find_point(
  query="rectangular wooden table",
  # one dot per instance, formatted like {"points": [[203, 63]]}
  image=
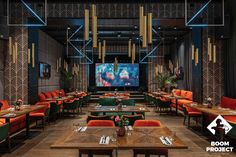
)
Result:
{"points": [[171, 97], [140, 138], [59, 99], [25, 110], [212, 111], [133, 109]]}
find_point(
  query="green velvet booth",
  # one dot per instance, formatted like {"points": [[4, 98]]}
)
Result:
{"points": [[128, 102], [107, 101]]}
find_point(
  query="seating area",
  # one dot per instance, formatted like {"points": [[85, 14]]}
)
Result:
{"points": [[123, 78]]}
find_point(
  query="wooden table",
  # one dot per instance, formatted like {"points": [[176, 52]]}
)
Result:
{"points": [[133, 109], [212, 111], [171, 97], [25, 110], [59, 99], [140, 138]]}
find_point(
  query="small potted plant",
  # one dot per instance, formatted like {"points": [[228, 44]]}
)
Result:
{"points": [[209, 102], [121, 122], [18, 103]]}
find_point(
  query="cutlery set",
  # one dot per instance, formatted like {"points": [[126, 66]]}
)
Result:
{"points": [[165, 140]]}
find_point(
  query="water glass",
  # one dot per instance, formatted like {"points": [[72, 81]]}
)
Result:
{"points": [[114, 137]]}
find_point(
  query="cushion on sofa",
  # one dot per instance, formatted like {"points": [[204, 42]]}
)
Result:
{"points": [[48, 95], [42, 97], [54, 94], [5, 104], [177, 92], [227, 102], [231, 119], [187, 94]]}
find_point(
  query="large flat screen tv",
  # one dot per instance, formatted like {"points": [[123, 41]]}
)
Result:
{"points": [[125, 75], [44, 70]]}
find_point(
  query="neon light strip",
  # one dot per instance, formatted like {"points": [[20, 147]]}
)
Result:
{"points": [[199, 12], [31, 10]]}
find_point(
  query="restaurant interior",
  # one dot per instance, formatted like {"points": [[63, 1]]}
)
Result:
{"points": [[117, 78]]}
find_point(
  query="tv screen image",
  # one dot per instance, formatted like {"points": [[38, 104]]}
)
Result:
{"points": [[126, 75], [44, 70]]}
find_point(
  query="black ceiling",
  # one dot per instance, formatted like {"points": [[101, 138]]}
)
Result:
{"points": [[115, 33]]}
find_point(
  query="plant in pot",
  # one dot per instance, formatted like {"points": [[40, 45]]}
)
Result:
{"points": [[121, 122], [165, 81], [67, 78]]}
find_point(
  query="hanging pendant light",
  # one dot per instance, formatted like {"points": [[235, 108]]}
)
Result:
{"points": [[196, 57], [141, 21], [29, 59], [94, 25], [129, 48], [99, 50], [13, 54], [94, 21], [144, 43], [86, 24], [149, 28], [33, 55], [115, 65], [16, 52], [10, 46], [214, 53], [103, 51], [193, 52], [133, 53]]}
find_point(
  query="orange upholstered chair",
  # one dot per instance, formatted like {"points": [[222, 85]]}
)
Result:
{"points": [[147, 123], [102, 123], [189, 113], [227, 102], [41, 114], [149, 151]]}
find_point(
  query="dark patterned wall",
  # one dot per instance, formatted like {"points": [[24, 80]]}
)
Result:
{"points": [[16, 75], [213, 73]]}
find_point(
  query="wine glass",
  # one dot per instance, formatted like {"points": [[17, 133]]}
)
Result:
{"points": [[76, 126], [114, 136]]}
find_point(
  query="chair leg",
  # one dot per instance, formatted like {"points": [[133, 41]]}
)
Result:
{"points": [[184, 119], [43, 122], [188, 121]]}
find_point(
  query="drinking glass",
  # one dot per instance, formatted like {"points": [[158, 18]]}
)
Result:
{"points": [[114, 137], [173, 136], [75, 126]]}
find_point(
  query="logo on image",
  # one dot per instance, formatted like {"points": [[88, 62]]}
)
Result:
{"points": [[219, 126]]}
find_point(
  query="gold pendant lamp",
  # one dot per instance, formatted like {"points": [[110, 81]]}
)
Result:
{"points": [[99, 50], [103, 51], [129, 48], [94, 25], [149, 28], [144, 44], [86, 24], [133, 53], [141, 21]]}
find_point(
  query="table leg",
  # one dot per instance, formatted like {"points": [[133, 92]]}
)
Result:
{"points": [[176, 109], [203, 122], [116, 152], [27, 118], [8, 136]]}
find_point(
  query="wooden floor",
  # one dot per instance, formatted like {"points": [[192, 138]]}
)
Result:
{"points": [[39, 144]]}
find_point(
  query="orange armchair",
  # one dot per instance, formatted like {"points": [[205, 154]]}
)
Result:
{"points": [[147, 123], [101, 123]]}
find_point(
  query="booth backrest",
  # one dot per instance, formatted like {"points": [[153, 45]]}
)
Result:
{"points": [[184, 93], [227, 102], [5, 104]]}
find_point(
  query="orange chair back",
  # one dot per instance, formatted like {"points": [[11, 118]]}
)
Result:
{"points": [[147, 123], [101, 123]]}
